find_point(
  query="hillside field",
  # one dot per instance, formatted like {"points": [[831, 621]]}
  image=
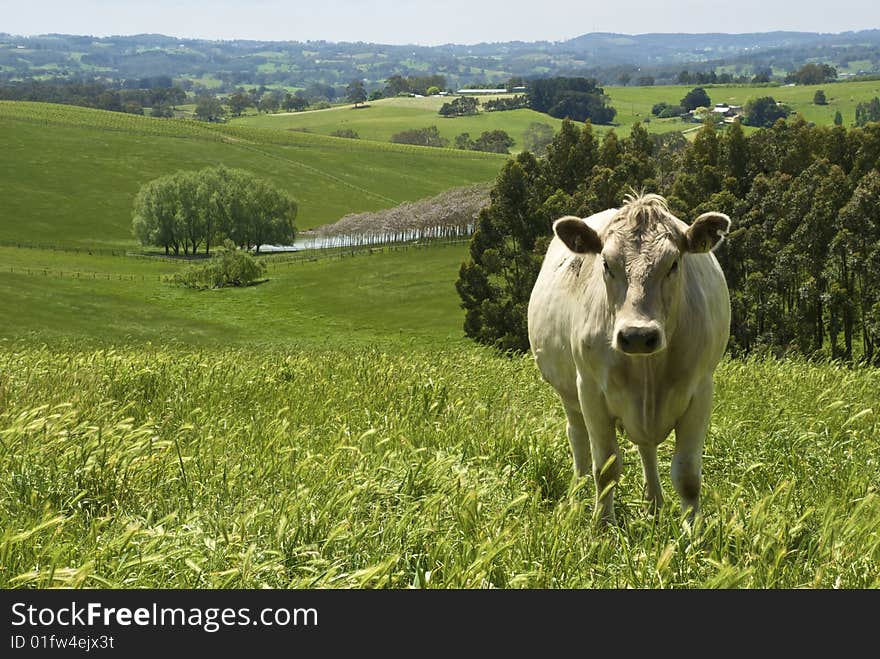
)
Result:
{"points": [[635, 103], [382, 118], [68, 175]]}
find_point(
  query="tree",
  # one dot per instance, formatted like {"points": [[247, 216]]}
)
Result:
{"points": [[536, 137], [695, 98], [493, 141], [356, 93], [208, 108], [838, 119], [238, 103], [868, 112], [429, 136], [645, 81], [624, 78], [578, 99], [764, 111], [182, 211], [460, 107], [813, 74], [819, 98]]}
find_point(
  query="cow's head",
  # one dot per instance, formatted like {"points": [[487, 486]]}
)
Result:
{"points": [[643, 257]]}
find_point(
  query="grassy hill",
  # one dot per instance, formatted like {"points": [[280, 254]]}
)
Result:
{"points": [[69, 175], [634, 103], [381, 119]]}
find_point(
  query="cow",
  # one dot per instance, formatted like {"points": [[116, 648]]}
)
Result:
{"points": [[628, 318]]}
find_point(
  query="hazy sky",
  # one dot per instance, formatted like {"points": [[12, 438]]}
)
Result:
{"points": [[428, 22]]}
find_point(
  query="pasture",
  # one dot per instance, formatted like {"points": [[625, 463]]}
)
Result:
{"points": [[68, 175], [166, 467], [635, 103], [385, 117], [381, 119], [331, 428]]}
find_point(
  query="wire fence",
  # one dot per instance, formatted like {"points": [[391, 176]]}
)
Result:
{"points": [[271, 259]]}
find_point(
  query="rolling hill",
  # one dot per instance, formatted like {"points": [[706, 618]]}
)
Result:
{"points": [[68, 175]]}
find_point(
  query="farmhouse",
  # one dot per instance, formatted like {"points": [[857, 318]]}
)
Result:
{"points": [[502, 90]]}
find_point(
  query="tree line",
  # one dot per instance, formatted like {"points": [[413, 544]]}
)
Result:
{"points": [[158, 95], [802, 260], [184, 211]]}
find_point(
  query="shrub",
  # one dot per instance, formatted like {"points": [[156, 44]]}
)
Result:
{"points": [[346, 132], [429, 136], [233, 267]]}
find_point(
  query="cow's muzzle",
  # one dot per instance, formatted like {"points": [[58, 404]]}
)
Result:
{"points": [[639, 339]]}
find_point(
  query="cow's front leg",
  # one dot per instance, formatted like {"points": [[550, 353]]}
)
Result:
{"points": [[604, 449], [578, 438], [653, 490], [687, 461]]}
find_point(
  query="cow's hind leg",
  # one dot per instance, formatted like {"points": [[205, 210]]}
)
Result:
{"points": [[579, 439], [687, 461], [653, 491]]}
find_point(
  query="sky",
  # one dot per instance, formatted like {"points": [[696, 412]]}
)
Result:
{"points": [[428, 22]]}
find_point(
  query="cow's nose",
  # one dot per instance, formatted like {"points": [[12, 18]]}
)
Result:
{"points": [[639, 340]]}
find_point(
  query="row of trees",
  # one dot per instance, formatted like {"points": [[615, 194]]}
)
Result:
{"points": [[184, 211], [802, 260], [161, 98]]}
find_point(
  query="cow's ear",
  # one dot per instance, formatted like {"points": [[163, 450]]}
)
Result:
{"points": [[577, 235], [707, 232]]}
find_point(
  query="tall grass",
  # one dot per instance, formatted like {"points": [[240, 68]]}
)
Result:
{"points": [[164, 467]]}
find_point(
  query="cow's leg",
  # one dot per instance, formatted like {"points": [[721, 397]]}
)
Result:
{"points": [[687, 461], [578, 438], [653, 491], [604, 449]]}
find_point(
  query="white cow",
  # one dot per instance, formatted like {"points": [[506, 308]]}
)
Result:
{"points": [[628, 319]]}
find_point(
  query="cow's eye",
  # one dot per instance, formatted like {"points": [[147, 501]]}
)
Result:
{"points": [[674, 267], [607, 269]]}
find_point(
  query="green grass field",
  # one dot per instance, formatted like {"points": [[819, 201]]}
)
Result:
{"points": [[173, 467], [332, 427], [385, 117], [379, 120], [635, 103], [400, 295], [68, 175]]}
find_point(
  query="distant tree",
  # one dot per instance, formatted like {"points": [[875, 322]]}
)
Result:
{"points": [[356, 92], [838, 119], [375, 95], [819, 98], [209, 108], [645, 81], [429, 136], [296, 103], [868, 112], [813, 74], [271, 102], [764, 111], [493, 141], [762, 76], [463, 141], [695, 98], [578, 99], [536, 138], [346, 132], [624, 78], [460, 107], [433, 90], [238, 103]]}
